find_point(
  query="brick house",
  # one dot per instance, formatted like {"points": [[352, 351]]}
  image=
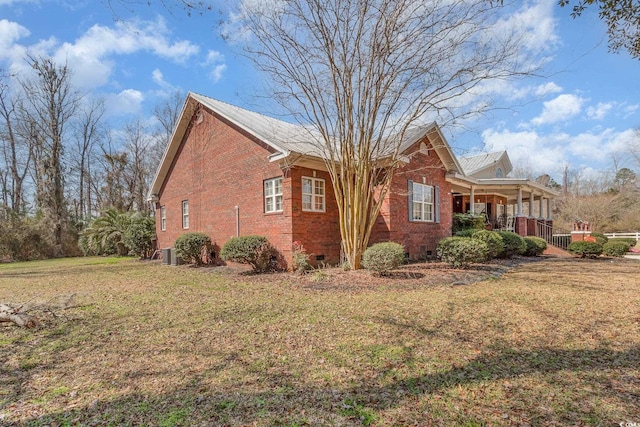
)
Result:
{"points": [[230, 172]]}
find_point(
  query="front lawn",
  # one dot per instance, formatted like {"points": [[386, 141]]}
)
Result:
{"points": [[553, 342]]}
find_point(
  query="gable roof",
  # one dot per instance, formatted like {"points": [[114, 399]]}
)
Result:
{"points": [[474, 164], [284, 138]]}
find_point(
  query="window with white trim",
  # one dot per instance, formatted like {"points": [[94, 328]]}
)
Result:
{"points": [[273, 195], [163, 218], [185, 214], [422, 198], [313, 192]]}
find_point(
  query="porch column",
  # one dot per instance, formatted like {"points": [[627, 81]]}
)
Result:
{"points": [[549, 212], [531, 200], [541, 216], [472, 200], [519, 203]]}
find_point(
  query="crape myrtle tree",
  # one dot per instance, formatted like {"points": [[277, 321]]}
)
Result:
{"points": [[361, 73]]}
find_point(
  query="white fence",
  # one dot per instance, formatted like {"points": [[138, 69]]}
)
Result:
{"points": [[633, 234]]}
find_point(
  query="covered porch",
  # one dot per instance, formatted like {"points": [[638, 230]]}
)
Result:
{"points": [[511, 204]]}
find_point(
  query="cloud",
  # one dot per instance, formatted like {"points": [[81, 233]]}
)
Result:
{"points": [[533, 25], [92, 56], [129, 101], [547, 89], [599, 111], [559, 109], [215, 59]]}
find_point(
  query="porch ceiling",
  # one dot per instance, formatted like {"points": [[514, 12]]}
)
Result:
{"points": [[505, 187]]}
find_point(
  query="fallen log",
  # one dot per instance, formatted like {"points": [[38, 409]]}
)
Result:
{"points": [[12, 314]]}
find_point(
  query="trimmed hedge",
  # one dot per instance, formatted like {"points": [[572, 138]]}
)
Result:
{"points": [[468, 232], [628, 240], [464, 221], [585, 249], [462, 251], [535, 246], [191, 247], [514, 244], [493, 240], [383, 257], [615, 248], [601, 239], [253, 250]]}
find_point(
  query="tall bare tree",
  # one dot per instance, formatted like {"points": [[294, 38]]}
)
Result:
{"points": [[363, 72], [15, 154], [48, 105], [167, 113]]}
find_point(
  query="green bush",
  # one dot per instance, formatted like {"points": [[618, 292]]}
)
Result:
{"points": [[615, 248], [137, 236], [493, 240], [192, 247], [383, 257], [585, 249], [463, 221], [601, 239], [535, 246], [253, 250], [628, 240], [300, 259], [513, 244], [461, 251], [467, 232]]}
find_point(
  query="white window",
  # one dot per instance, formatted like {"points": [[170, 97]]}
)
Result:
{"points": [[273, 195], [163, 218], [313, 194], [422, 198], [185, 214]]}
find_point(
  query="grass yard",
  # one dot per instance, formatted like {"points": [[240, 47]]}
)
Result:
{"points": [[553, 342]]}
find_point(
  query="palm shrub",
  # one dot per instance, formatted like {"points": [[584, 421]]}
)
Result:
{"points": [[585, 249], [615, 249], [535, 246], [253, 250], [191, 247], [514, 244], [105, 235], [383, 257], [494, 242], [460, 252]]}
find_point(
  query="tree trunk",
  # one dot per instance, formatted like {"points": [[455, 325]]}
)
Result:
{"points": [[10, 314]]}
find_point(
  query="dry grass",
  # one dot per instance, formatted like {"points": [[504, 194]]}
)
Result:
{"points": [[554, 342]]}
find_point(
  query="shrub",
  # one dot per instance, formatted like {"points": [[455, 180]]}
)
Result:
{"points": [[585, 249], [137, 236], [601, 239], [468, 232], [628, 240], [535, 246], [493, 240], [513, 244], [300, 259], [463, 221], [253, 250], [191, 247], [460, 251], [616, 248], [383, 257]]}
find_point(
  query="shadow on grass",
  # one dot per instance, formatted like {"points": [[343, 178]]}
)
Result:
{"points": [[287, 401]]}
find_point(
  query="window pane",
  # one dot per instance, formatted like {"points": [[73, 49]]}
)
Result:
{"points": [[268, 206], [278, 203], [278, 186], [307, 187], [306, 201], [268, 188]]}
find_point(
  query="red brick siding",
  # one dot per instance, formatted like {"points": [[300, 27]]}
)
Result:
{"points": [[319, 232], [393, 223], [217, 168]]}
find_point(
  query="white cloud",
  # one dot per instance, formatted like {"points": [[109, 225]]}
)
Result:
{"points": [[216, 59], [10, 32], [129, 101], [534, 25], [599, 111], [547, 88], [216, 74], [560, 109]]}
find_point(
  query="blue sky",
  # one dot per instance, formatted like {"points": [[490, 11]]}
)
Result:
{"points": [[583, 113]]}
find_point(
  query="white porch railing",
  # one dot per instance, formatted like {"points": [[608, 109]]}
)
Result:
{"points": [[633, 234]]}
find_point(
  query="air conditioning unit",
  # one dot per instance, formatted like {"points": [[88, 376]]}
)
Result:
{"points": [[166, 256], [175, 259]]}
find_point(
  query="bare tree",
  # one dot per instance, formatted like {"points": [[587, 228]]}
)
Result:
{"points": [[88, 133], [361, 73], [167, 113], [48, 105], [15, 154]]}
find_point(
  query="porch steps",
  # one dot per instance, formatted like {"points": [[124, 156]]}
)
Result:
{"points": [[557, 252]]}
